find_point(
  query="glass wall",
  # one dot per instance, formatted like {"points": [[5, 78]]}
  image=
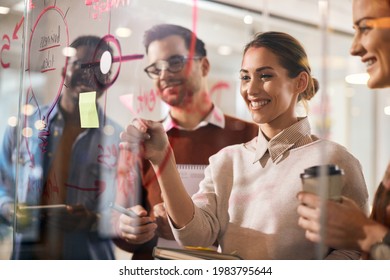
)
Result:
{"points": [[35, 58]]}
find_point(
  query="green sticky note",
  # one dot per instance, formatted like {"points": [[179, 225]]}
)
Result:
{"points": [[88, 113]]}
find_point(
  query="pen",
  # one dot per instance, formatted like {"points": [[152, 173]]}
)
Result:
{"points": [[125, 211]]}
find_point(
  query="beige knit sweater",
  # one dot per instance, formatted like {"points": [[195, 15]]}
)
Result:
{"points": [[247, 201]]}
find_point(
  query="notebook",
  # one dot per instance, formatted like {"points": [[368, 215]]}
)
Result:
{"points": [[191, 175], [162, 253]]}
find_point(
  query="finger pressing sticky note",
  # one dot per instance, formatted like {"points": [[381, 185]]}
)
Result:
{"points": [[88, 112]]}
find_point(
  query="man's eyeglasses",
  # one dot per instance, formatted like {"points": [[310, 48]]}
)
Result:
{"points": [[173, 64]]}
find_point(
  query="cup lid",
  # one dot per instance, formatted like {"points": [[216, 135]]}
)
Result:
{"points": [[315, 171]]}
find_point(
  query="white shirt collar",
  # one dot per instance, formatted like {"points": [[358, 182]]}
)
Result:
{"points": [[215, 117]]}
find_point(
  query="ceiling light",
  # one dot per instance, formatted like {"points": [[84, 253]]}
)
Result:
{"points": [[108, 130], [27, 132], [386, 110], [69, 51], [123, 32], [224, 50], [19, 7], [357, 79], [12, 121], [248, 19], [4, 10], [40, 125], [28, 109]]}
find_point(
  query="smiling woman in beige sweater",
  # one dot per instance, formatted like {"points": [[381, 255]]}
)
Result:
{"points": [[247, 201]]}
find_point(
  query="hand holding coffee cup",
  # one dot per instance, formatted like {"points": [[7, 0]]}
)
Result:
{"points": [[323, 176]]}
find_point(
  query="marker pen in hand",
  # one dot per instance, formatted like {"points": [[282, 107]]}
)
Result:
{"points": [[125, 211]]}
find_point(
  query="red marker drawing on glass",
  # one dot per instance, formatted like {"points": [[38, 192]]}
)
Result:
{"points": [[106, 60]]}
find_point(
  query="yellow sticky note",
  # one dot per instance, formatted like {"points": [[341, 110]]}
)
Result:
{"points": [[88, 113]]}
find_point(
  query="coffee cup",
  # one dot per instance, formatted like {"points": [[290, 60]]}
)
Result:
{"points": [[323, 176]]}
